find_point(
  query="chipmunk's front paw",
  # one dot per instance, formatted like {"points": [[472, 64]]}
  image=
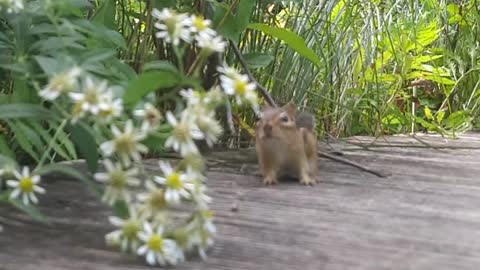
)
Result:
{"points": [[306, 180], [269, 180]]}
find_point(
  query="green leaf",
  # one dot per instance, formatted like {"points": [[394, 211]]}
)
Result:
{"points": [[24, 141], [105, 14], [428, 113], [440, 116], [257, 60], [98, 55], [232, 25], [71, 172], [294, 41], [49, 65], [20, 110], [83, 137], [31, 210], [156, 141], [5, 148], [47, 138], [148, 82], [160, 65], [121, 209]]}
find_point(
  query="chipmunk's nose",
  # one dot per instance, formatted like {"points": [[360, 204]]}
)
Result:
{"points": [[267, 129]]}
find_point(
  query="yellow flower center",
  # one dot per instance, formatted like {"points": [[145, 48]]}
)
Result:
{"points": [[118, 179], [130, 229], [181, 132], [77, 109], [240, 87], [174, 182], [61, 83], [106, 113], [157, 199], [26, 184], [200, 24], [125, 143], [91, 96], [155, 243]]}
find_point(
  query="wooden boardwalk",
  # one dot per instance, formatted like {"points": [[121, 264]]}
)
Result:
{"points": [[425, 216]]}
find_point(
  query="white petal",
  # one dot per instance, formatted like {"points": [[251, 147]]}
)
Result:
{"points": [[142, 250], [171, 119], [39, 189], [25, 198], [151, 257], [13, 183], [14, 194], [107, 148], [116, 221], [160, 180], [33, 198]]}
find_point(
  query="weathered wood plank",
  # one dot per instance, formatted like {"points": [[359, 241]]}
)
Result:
{"points": [[425, 216]]}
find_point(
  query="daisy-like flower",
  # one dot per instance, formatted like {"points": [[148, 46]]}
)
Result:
{"points": [[214, 97], [201, 27], [25, 185], [127, 234], [210, 44], [192, 97], [184, 132], [176, 186], [110, 108], [125, 144], [201, 231], [151, 117], [117, 180], [157, 248], [61, 83], [92, 98], [172, 26], [238, 85], [153, 201], [200, 197], [206, 122], [12, 6]]}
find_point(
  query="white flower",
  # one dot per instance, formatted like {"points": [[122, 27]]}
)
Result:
{"points": [[214, 97], [153, 201], [93, 96], [200, 232], [151, 117], [172, 26], [238, 85], [26, 185], [127, 234], [110, 108], [125, 144], [117, 180], [61, 83], [210, 45], [176, 186], [12, 6], [157, 248], [206, 122], [230, 72], [184, 132], [198, 193], [192, 97], [201, 27]]}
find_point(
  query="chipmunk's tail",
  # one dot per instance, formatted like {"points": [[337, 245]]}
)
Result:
{"points": [[305, 120]]}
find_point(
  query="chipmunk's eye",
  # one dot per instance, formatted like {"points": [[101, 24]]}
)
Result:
{"points": [[284, 118]]}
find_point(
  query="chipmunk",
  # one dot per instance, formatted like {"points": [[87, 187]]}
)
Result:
{"points": [[286, 144]]}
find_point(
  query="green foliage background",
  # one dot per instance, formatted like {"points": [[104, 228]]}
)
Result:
{"points": [[360, 66]]}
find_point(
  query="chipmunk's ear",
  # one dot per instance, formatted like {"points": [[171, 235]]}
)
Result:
{"points": [[290, 108]]}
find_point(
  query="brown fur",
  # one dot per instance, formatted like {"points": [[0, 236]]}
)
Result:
{"points": [[285, 147]]}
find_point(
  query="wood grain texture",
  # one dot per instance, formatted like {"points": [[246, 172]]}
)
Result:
{"points": [[425, 216]]}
